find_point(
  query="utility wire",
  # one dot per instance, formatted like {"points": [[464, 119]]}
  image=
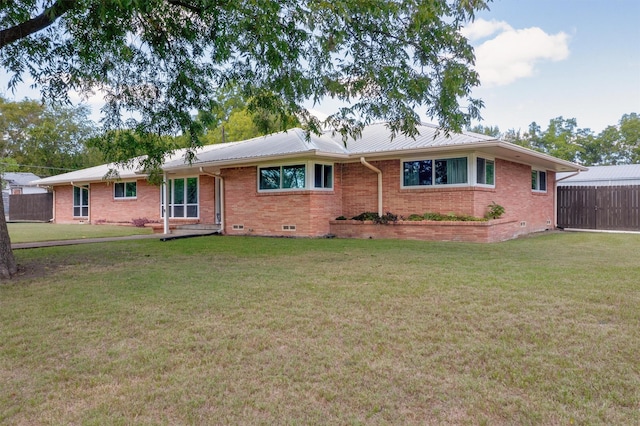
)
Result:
{"points": [[37, 167]]}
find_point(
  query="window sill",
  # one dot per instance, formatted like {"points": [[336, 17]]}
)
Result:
{"points": [[296, 192], [444, 188]]}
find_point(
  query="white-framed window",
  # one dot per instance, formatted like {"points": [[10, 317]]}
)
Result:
{"points": [[183, 198], [123, 190], [283, 177], [538, 180], [81, 201], [485, 171], [291, 177], [323, 176], [438, 171]]}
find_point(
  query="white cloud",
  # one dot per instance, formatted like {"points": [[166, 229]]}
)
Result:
{"points": [[482, 28], [513, 54]]}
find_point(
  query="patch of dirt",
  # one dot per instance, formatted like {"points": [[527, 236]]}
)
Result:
{"points": [[32, 270]]}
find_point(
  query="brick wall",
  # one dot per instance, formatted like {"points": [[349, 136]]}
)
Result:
{"points": [[512, 191], [104, 208], [266, 213], [354, 192], [474, 232]]}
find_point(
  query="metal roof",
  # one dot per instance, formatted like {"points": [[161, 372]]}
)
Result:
{"points": [[624, 174], [91, 174], [376, 141], [376, 138], [276, 145], [19, 179]]}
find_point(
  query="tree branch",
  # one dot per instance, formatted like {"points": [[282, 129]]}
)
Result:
{"points": [[40, 22], [188, 6]]}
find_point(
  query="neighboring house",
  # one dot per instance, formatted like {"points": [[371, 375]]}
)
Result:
{"points": [[604, 197], [16, 184], [286, 184], [620, 175]]}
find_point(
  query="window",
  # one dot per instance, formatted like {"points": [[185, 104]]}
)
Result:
{"points": [[485, 171], [124, 190], [183, 198], [282, 177], [538, 180], [323, 176], [449, 171], [81, 201]]}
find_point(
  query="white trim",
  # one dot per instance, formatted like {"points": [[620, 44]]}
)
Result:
{"points": [[313, 176], [186, 205], [124, 197], [73, 198], [474, 168], [546, 180], [309, 176], [433, 159]]}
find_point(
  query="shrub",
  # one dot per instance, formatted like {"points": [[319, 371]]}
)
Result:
{"points": [[341, 218], [451, 217], [415, 217], [140, 222], [386, 218], [367, 216], [495, 211]]}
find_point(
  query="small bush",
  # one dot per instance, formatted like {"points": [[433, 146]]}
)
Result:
{"points": [[451, 217], [140, 222], [341, 218], [388, 217], [367, 216], [433, 216], [495, 211], [415, 217]]}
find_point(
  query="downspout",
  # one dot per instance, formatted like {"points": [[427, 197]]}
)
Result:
{"points": [[218, 176], [555, 196], [165, 180], [88, 201], [379, 172], [53, 213]]}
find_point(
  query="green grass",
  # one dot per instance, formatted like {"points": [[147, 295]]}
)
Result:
{"points": [[231, 330], [31, 232]]}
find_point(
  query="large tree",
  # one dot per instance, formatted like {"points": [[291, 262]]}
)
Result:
{"points": [[46, 139], [163, 59]]}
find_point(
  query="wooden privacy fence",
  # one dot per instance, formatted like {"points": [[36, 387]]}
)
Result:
{"points": [[604, 207], [36, 207]]}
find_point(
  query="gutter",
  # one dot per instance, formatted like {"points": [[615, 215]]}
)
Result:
{"points": [[165, 181], [379, 172], [221, 194], [569, 176]]}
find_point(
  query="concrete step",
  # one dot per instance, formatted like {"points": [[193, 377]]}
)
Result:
{"points": [[199, 227]]}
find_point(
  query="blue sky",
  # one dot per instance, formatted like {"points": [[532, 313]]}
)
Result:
{"points": [[540, 59], [548, 58]]}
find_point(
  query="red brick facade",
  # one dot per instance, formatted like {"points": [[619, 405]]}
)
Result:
{"points": [[355, 191], [311, 213], [267, 213], [105, 208]]}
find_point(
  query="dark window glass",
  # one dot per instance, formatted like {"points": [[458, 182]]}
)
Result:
{"points": [[293, 176], [270, 178]]}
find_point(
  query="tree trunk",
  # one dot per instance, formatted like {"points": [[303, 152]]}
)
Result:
{"points": [[8, 265]]}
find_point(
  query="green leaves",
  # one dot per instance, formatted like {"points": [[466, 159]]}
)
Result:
{"points": [[157, 62]]}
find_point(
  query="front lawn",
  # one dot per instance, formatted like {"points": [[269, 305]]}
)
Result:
{"points": [[31, 232], [233, 330]]}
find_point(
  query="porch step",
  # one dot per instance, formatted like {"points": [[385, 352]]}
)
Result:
{"points": [[199, 227]]}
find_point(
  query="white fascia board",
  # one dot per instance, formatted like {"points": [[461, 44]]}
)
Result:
{"points": [[526, 156], [252, 161]]}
